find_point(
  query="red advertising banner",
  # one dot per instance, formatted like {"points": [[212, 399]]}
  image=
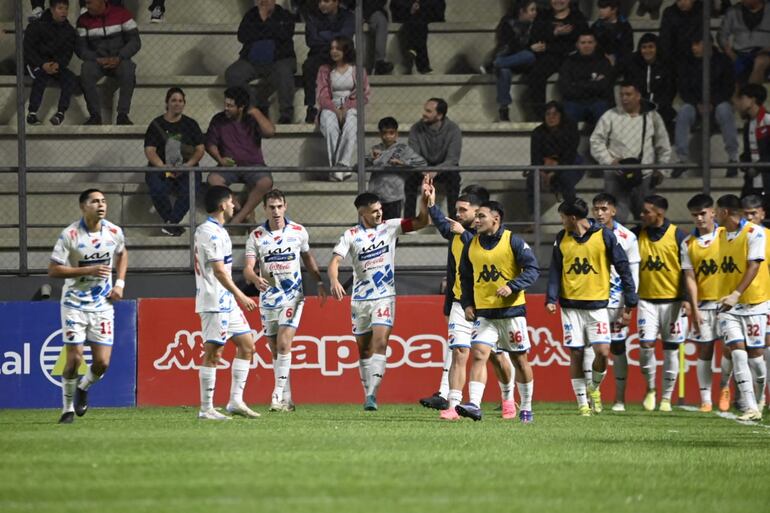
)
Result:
{"points": [[325, 359]]}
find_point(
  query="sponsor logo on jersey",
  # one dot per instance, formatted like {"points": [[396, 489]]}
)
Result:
{"points": [[581, 267]]}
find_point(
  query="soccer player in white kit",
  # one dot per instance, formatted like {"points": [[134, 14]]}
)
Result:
{"points": [[85, 254], [604, 207], [221, 318], [278, 245], [372, 248]]}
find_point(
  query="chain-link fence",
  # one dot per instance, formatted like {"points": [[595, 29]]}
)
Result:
{"points": [[496, 63]]}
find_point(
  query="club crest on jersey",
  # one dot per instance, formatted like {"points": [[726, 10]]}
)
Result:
{"points": [[96, 243]]}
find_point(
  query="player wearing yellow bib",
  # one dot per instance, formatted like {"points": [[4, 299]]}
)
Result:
{"points": [[579, 279], [700, 263], [495, 270], [754, 212], [743, 311], [660, 298]]}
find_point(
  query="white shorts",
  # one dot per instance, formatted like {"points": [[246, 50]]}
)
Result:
{"points": [[217, 327], [662, 319], [274, 318], [374, 312], [743, 328], [618, 332], [709, 327], [459, 329], [80, 327], [583, 327], [509, 334]]}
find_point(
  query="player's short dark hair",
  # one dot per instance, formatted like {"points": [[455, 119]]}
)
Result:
{"points": [[388, 123], [239, 95], [441, 105], [614, 4], [494, 206], [86, 194], [273, 194], [54, 3], [752, 201], [215, 196], [657, 201], [729, 202], [365, 199], [175, 90], [472, 199], [605, 197], [575, 207], [699, 202], [630, 83], [477, 190], [754, 91], [587, 31]]}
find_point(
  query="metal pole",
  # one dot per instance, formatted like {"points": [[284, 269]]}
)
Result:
{"points": [[360, 100], [706, 98], [21, 140]]}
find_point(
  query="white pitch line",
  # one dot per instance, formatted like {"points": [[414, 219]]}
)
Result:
{"points": [[729, 416]]}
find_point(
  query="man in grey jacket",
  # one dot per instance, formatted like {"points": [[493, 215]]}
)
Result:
{"points": [[440, 142], [744, 35]]}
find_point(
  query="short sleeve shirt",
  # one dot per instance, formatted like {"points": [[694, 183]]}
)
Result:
{"points": [[212, 244], [628, 241]]}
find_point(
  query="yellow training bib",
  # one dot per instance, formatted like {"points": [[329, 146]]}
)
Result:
{"points": [[734, 258], [493, 268], [705, 265], [585, 273], [457, 253], [660, 273]]}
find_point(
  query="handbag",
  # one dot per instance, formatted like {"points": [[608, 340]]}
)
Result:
{"points": [[630, 178]]}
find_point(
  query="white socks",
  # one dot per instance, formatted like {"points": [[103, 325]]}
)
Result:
{"points": [[758, 373], [208, 380], [506, 389], [621, 373], [649, 365], [443, 388], [727, 371], [376, 373], [281, 369], [670, 370], [89, 379], [579, 387], [68, 387], [525, 392], [597, 378], [476, 392], [742, 376], [363, 370], [287, 390], [705, 377], [588, 364], [455, 398], [240, 372]]}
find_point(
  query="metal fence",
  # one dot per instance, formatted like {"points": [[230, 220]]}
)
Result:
{"points": [[197, 41]]}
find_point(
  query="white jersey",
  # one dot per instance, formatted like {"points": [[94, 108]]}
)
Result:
{"points": [[77, 247], [279, 254], [373, 251], [212, 244], [684, 257], [627, 240], [756, 252]]}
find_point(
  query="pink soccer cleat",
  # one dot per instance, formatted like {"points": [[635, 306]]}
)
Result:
{"points": [[449, 414], [509, 409]]}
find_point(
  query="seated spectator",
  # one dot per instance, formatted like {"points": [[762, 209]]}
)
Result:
{"points": [[172, 140], [392, 161], [625, 135], [336, 86], [614, 34], [376, 17], [415, 16], [554, 143], [680, 23], [107, 39], [745, 38], [48, 48], [439, 141], [513, 53], [554, 32], [323, 25], [654, 76], [267, 34], [157, 9], [234, 138], [722, 86], [756, 137], [585, 81]]}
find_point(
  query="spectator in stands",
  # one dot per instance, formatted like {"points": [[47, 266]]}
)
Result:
{"points": [[614, 34], [416, 15], [555, 32], [585, 81], [652, 73], [267, 34], [756, 136], [440, 142], [392, 161], [649, 6], [745, 38], [329, 21], [554, 143], [376, 16], [681, 21], [107, 39], [722, 85], [172, 140], [234, 138], [336, 87], [513, 53], [157, 9], [48, 48], [630, 134]]}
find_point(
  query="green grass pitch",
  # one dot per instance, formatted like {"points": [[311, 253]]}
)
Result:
{"points": [[399, 459]]}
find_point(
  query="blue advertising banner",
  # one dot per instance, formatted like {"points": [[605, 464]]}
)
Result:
{"points": [[32, 360]]}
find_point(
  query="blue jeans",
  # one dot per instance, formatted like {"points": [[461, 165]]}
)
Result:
{"points": [[724, 117], [161, 190], [505, 65], [586, 110]]}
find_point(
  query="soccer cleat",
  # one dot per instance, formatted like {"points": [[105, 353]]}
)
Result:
{"points": [[68, 417], [212, 414], [665, 405], [751, 415], [705, 408], [435, 402], [80, 401], [761, 405], [526, 416], [289, 405], [509, 409], [469, 410], [584, 411], [276, 407], [370, 404], [449, 414], [241, 410], [618, 407], [649, 400], [595, 399], [724, 399]]}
